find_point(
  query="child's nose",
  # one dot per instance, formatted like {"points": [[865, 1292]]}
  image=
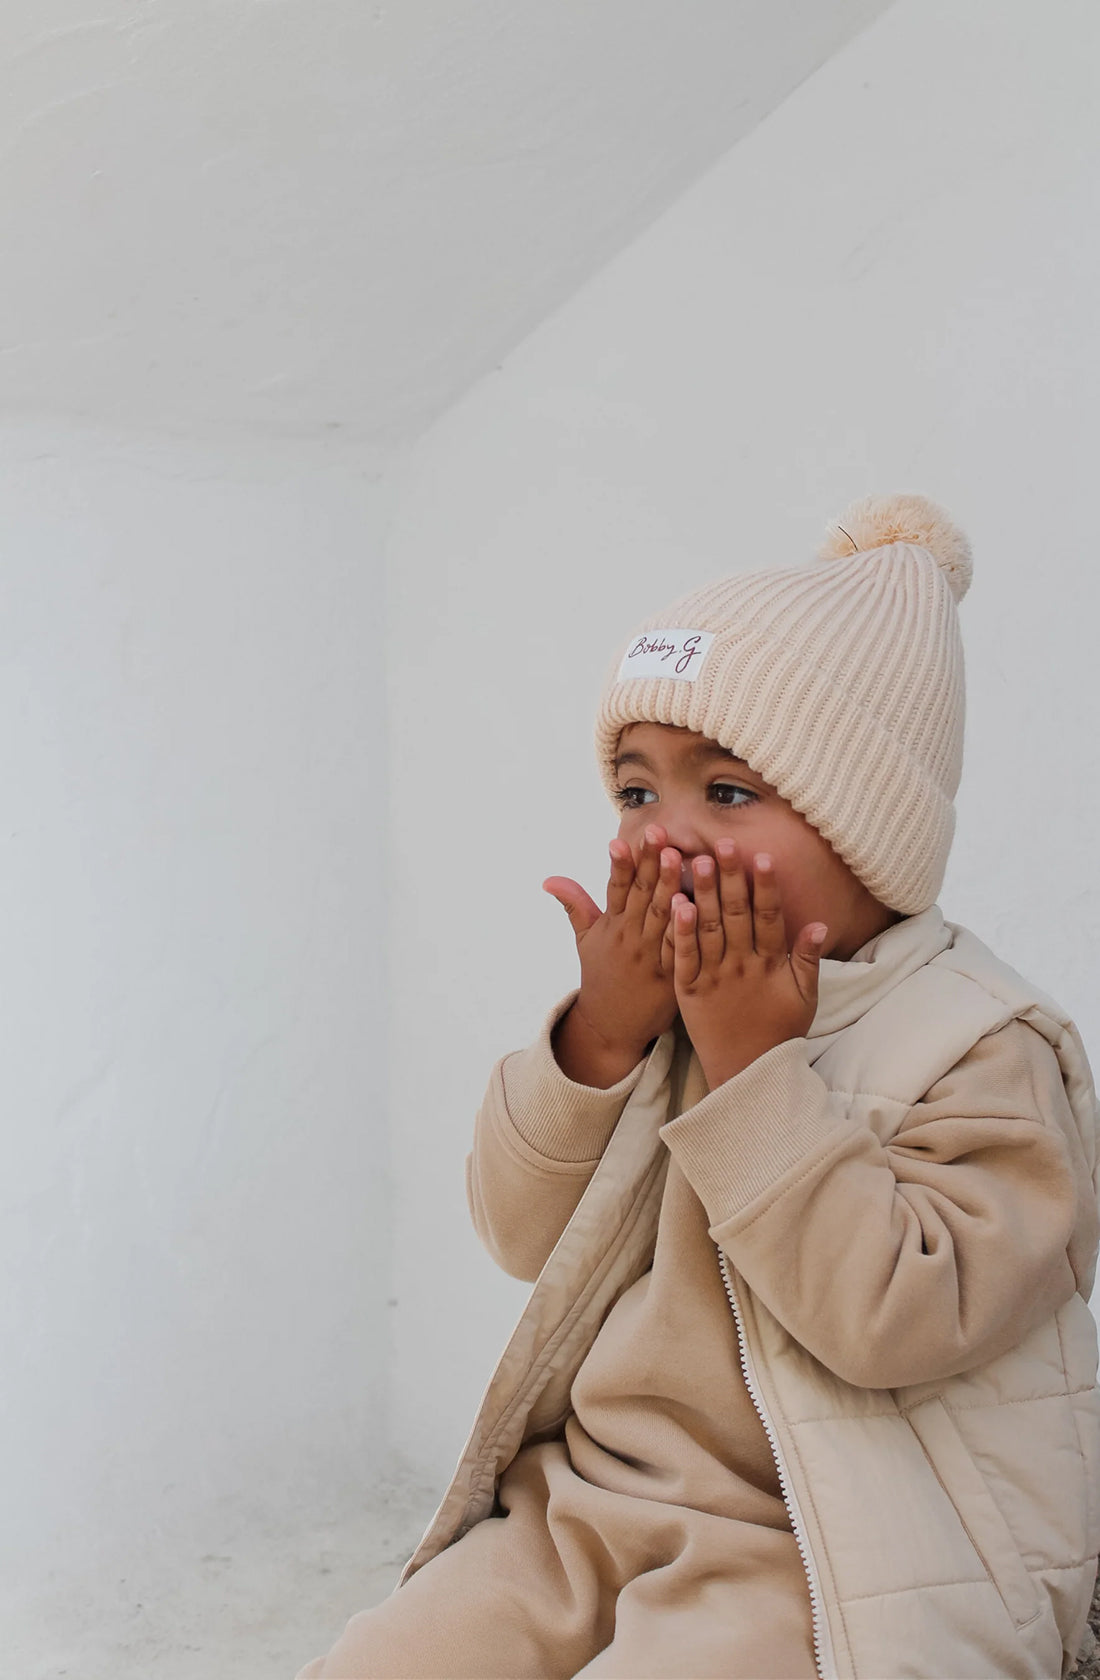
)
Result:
{"points": [[688, 840]]}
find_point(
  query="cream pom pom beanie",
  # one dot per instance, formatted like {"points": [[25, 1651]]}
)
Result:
{"points": [[839, 682]]}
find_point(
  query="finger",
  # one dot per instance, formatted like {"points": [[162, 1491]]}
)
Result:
{"points": [[709, 931], [668, 952], [685, 946], [646, 873], [656, 923], [806, 959], [581, 909], [668, 941], [621, 877], [769, 934], [733, 894]]}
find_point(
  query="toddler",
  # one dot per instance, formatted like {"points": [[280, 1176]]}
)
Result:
{"points": [[807, 1179]]}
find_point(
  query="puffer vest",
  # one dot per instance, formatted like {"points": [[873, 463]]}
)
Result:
{"points": [[949, 1529]]}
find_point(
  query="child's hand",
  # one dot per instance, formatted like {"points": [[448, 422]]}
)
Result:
{"points": [[626, 993], [738, 990]]}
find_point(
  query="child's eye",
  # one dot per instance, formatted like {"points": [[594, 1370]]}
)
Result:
{"points": [[744, 795], [631, 798]]}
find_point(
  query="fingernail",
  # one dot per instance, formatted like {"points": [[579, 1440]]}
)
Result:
{"points": [[703, 865], [651, 835], [818, 932], [763, 860], [726, 848]]}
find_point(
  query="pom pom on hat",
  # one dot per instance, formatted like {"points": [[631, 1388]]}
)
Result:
{"points": [[877, 521]]}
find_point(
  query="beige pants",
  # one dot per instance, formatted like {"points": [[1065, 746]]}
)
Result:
{"points": [[574, 1580]]}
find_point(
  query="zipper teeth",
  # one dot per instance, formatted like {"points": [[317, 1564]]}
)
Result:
{"points": [[817, 1613]]}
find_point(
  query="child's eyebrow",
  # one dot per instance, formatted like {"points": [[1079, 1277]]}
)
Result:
{"points": [[698, 754]]}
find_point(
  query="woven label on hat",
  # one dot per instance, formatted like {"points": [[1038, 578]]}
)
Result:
{"points": [[666, 653]]}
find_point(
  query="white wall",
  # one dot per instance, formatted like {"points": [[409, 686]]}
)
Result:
{"points": [[890, 284], [312, 218], [193, 1237]]}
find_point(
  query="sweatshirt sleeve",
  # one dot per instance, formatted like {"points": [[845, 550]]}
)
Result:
{"points": [[908, 1261], [538, 1138]]}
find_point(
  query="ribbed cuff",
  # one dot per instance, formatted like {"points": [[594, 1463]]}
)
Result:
{"points": [[748, 1133], [552, 1113]]}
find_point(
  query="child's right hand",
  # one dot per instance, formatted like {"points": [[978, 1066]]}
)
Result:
{"points": [[627, 996]]}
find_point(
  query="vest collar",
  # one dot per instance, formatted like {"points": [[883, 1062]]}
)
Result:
{"points": [[846, 990]]}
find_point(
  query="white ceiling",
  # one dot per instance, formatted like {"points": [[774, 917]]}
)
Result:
{"points": [[297, 216]]}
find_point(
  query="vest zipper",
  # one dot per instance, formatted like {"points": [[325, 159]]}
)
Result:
{"points": [[817, 1608]]}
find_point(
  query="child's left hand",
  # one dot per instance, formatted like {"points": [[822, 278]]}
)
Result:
{"points": [[739, 991]]}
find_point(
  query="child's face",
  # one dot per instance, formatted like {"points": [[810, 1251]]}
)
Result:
{"points": [[694, 789]]}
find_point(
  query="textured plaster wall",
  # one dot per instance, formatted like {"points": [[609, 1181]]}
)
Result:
{"points": [[294, 219], [890, 284], [252, 247], [273, 841], [192, 1230]]}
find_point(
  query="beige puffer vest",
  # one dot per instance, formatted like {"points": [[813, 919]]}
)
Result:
{"points": [[949, 1530]]}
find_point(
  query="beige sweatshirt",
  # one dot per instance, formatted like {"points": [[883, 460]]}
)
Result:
{"points": [[892, 1264]]}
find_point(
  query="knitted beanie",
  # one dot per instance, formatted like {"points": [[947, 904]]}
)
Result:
{"points": [[839, 682]]}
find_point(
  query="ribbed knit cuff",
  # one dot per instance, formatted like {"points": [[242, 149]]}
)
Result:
{"points": [[748, 1133], [552, 1113]]}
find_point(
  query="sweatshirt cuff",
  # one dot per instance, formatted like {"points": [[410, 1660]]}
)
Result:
{"points": [[747, 1134], [554, 1115]]}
